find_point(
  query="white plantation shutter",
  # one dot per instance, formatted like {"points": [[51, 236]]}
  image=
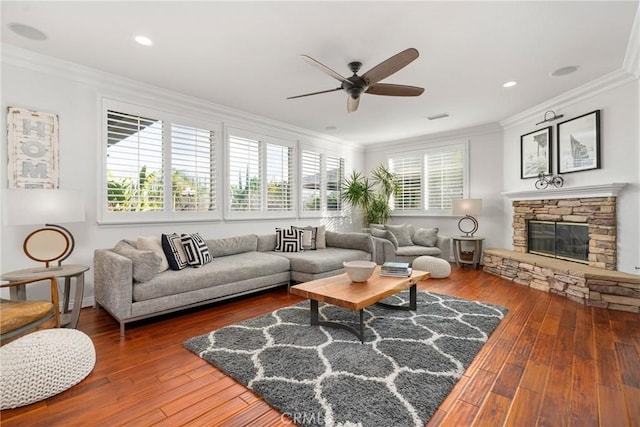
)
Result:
{"points": [[244, 173], [157, 166], [279, 166], [260, 175], [134, 163], [193, 164], [409, 173], [430, 179], [444, 170], [335, 177], [311, 182]]}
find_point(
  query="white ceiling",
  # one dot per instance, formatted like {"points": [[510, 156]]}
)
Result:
{"points": [[246, 55]]}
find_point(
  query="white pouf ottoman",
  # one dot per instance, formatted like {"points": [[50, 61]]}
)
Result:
{"points": [[42, 364], [438, 267]]}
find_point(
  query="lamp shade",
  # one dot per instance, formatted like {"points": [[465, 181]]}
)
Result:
{"points": [[467, 207], [39, 206]]}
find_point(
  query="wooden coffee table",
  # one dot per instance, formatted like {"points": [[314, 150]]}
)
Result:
{"points": [[339, 290]]}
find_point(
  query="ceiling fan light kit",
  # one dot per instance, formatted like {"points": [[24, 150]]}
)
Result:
{"points": [[356, 85]]}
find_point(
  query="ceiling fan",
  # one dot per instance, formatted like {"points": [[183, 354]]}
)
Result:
{"points": [[368, 82]]}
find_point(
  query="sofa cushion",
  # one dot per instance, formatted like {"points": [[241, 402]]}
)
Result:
{"points": [[288, 240], [173, 249], [425, 237], [418, 250], [359, 241], [153, 243], [402, 234], [323, 260], [221, 271], [232, 245], [146, 264], [196, 250]]}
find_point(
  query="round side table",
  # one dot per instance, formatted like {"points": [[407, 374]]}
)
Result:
{"points": [[477, 250], [68, 318]]}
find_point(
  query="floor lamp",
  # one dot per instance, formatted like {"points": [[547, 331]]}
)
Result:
{"points": [[52, 242]]}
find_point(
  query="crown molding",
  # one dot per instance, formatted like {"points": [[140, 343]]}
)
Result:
{"points": [[112, 85], [588, 90], [464, 133], [602, 190], [631, 61]]}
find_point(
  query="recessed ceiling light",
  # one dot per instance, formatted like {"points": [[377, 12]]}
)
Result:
{"points": [[564, 71], [143, 40], [27, 31], [511, 83]]}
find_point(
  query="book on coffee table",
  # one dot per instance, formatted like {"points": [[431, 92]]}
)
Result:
{"points": [[396, 269]]}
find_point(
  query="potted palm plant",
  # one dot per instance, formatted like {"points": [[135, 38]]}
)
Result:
{"points": [[372, 196]]}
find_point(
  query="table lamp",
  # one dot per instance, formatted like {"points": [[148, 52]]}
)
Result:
{"points": [[48, 207], [467, 207]]}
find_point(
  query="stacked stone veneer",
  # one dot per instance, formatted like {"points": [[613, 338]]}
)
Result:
{"points": [[598, 212], [578, 282]]}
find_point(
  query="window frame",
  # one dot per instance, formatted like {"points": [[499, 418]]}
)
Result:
{"points": [[168, 118], [439, 147], [264, 139], [323, 212]]}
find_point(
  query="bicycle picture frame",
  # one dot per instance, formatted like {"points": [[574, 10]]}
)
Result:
{"points": [[535, 153], [579, 143]]}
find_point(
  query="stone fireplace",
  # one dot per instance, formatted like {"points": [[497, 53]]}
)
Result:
{"points": [[597, 284], [598, 213]]}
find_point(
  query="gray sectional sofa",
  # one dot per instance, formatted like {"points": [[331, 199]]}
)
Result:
{"points": [[241, 265]]}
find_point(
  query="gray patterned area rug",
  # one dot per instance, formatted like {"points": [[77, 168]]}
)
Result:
{"points": [[315, 375]]}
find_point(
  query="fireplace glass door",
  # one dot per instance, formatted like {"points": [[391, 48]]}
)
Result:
{"points": [[564, 240]]}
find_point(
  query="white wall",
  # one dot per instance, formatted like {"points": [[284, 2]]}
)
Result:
{"points": [[485, 179], [72, 92], [616, 96]]}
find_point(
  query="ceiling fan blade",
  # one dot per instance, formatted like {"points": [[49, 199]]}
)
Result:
{"points": [[315, 93], [352, 104], [394, 90], [390, 66], [324, 68]]}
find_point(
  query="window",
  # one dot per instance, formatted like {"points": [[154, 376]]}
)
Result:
{"points": [[430, 179], [156, 165], [311, 182], [322, 178], [335, 176], [260, 171]]}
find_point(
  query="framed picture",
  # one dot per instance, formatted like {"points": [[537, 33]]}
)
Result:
{"points": [[535, 153], [579, 143], [33, 149]]}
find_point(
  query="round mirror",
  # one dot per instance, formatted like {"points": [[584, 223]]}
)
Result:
{"points": [[46, 245], [468, 225]]}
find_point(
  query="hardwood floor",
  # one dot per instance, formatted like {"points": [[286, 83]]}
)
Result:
{"points": [[550, 362]]}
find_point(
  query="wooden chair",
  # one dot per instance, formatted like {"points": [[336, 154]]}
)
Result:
{"points": [[20, 317]]}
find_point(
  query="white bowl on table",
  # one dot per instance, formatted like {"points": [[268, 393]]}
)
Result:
{"points": [[359, 271]]}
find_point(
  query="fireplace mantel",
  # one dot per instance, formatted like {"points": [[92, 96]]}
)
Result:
{"points": [[601, 190]]}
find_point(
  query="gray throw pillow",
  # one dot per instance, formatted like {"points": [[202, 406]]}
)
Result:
{"points": [[146, 264], [426, 237], [402, 233], [377, 226], [384, 234], [153, 243]]}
